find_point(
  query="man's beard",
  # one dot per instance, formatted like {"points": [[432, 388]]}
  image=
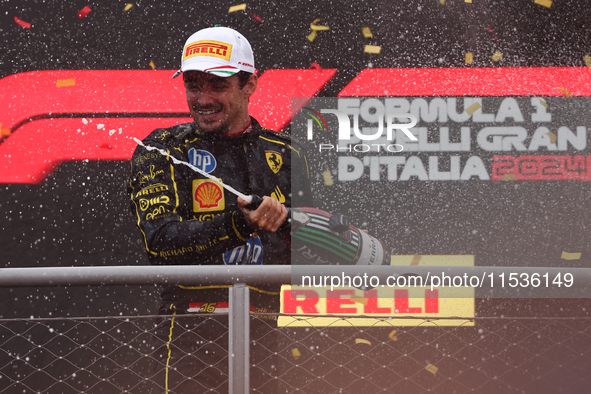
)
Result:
{"points": [[222, 128]]}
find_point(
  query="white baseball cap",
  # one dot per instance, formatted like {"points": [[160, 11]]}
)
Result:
{"points": [[217, 50]]}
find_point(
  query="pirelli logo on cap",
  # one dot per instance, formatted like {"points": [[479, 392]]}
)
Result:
{"points": [[208, 48]]}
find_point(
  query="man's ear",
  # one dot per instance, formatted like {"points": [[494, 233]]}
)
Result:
{"points": [[251, 85]]}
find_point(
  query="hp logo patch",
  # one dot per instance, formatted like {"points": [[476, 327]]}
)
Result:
{"points": [[202, 159]]}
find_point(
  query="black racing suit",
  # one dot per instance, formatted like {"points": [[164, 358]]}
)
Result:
{"points": [[187, 219]]}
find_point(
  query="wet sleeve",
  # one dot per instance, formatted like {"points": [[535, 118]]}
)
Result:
{"points": [[169, 237]]}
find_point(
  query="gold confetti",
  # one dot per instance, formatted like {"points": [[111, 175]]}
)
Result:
{"points": [[544, 103], [366, 32], [359, 300], [127, 7], [468, 1], [570, 256], [327, 178], [359, 340], [545, 3], [552, 137], [319, 28], [316, 27], [473, 108], [498, 55], [295, 353], [152, 65], [442, 2], [372, 49], [508, 177], [415, 259], [566, 92], [587, 60], [432, 368], [4, 132], [239, 7], [393, 336], [65, 82], [469, 56]]}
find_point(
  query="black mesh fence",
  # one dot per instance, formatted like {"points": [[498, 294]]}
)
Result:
{"points": [[188, 354], [494, 355], [114, 355]]}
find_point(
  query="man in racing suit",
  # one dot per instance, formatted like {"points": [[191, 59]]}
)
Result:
{"points": [[186, 218]]}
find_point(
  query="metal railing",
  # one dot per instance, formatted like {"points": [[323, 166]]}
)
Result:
{"points": [[499, 353], [238, 323]]}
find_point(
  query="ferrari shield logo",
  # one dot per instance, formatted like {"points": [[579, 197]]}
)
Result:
{"points": [[274, 160]]}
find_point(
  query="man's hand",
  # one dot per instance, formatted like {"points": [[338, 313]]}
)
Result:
{"points": [[268, 216]]}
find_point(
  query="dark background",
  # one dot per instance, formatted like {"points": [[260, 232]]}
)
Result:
{"points": [[79, 215]]}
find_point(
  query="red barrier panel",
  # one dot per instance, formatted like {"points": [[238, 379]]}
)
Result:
{"points": [[38, 102], [523, 81], [37, 94], [38, 147]]}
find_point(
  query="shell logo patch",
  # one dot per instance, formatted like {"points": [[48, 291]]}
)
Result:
{"points": [[274, 160], [207, 196]]}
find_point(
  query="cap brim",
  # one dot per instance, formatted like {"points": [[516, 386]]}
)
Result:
{"points": [[211, 68]]}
